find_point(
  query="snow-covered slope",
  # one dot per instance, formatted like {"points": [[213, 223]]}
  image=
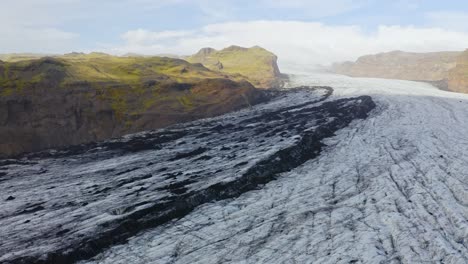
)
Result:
{"points": [[390, 189]]}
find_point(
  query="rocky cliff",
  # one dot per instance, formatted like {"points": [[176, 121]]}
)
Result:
{"points": [[256, 64], [77, 98], [458, 76], [432, 67]]}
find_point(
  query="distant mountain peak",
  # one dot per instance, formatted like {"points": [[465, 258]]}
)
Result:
{"points": [[205, 51]]}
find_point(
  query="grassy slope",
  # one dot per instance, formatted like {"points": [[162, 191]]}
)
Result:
{"points": [[134, 75], [102, 67], [256, 64], [98, 67]]}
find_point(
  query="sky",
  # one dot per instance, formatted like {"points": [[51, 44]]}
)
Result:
{"points": [[298, 31]]}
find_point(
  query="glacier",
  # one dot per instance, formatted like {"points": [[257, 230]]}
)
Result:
{"points": [[392, 188], [70, 204]]}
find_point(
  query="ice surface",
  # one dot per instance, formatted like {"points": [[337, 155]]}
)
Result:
{"points": [[62, 206], [390, 189]]}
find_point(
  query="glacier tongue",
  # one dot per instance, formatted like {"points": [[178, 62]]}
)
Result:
{"points": [[71, 204], [390, 189]]}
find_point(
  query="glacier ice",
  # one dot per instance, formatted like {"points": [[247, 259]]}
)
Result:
{"points": [[389, 189]]}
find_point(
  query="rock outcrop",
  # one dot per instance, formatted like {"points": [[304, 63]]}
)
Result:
{"points": [[458, 76], [76, 98], [255, 64], [432, 67]]}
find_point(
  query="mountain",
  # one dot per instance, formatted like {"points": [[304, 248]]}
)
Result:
{"points": [[258, 65], [431, 67], [458, 76], [76, 98]]}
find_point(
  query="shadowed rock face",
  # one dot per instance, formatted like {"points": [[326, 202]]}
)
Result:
{"points": [[432, 67], [256, 64], [62, 206], [74, 99]]}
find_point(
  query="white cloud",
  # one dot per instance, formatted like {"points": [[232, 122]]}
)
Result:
{"points": [[227, 9], [142, 36], [151, 3], [299, 43], [449, 20], [36, 13], [40, 40], [408, 4], [33, 26], [317, 8]]}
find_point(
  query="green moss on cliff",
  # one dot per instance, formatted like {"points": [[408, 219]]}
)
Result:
{"points": [[255, 64]]}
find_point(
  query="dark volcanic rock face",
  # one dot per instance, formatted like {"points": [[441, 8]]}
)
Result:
{"points": [[67, 205]]}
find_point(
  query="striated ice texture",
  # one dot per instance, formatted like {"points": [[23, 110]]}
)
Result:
{"points": [[392, 188], [71, 204]]}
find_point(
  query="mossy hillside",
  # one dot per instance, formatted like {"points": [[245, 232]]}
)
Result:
{"points": [[130, 86], [15, 77], [256, 64], [115, 79], [101, 68]]}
